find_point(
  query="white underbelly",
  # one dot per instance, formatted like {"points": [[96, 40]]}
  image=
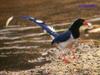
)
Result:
{"points": [[65, 44]]}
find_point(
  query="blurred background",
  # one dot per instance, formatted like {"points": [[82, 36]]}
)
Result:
{"points": [[22, 41], [54, 11]]}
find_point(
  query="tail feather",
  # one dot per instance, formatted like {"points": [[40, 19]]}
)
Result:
{"points": [[45, 27]]}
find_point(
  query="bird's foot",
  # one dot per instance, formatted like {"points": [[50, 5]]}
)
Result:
{"points": [[64, 58], [74, 58]]}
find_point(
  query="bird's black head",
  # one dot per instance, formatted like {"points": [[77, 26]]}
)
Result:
{"points": [[76, 25]]}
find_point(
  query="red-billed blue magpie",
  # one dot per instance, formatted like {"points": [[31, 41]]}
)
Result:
{"points": [[63, 40]]}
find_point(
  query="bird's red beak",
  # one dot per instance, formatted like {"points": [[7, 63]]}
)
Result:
{"points": [[86, 23]]}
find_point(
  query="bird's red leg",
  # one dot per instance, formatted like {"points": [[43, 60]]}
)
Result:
{"points": [[62, 55], [73, 53], [64, 58], [73, 50]]}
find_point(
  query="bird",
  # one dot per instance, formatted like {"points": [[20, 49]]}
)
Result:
{"points": [[65, 39]]}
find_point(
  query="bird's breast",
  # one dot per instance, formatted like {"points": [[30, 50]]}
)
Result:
{"points": [[67, 44]]}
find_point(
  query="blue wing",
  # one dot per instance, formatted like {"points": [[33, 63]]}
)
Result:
{"points": [[40, 23], [62, 37]]}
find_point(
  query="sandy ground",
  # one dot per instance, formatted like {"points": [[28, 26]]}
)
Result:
{"points": [[88, 63]]}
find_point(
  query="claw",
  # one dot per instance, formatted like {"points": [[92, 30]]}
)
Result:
{"points": [[66, 60]]}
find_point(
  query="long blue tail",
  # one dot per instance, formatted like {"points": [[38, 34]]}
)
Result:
{"points": [[40, 23]]}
